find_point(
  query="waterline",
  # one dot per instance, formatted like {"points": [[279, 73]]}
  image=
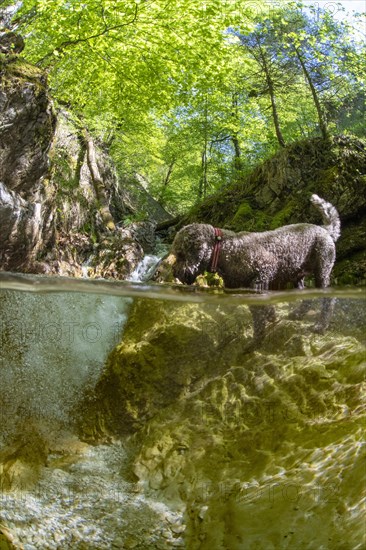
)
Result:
{"points": [[44, 284]]}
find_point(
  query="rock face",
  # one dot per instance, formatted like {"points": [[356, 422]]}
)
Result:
{"points": [[139, 201], [240, 441], [52, 209], [81, 236], [158, 335], [27, 124]]}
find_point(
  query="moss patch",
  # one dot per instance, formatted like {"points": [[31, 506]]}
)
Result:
{"points": [[16, 72], [283, 216]]}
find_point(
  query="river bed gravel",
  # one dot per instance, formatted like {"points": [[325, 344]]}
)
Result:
{"points": [[88, 505]]}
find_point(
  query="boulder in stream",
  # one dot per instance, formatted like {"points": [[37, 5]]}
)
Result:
{"points": [[232, 440]]}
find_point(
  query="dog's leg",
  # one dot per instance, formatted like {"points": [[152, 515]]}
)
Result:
{"points": [[322, 280], [300, 310], [261, 316], [326, 314], [303, 307]]}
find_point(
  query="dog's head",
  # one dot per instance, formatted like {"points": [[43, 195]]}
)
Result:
{"points": [[192, 247]]}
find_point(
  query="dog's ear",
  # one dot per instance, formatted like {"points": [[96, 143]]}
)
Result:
{"points": [[188, 265], [192, 247]]}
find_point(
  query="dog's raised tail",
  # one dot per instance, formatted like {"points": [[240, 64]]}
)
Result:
{"points": [[330, 216]]}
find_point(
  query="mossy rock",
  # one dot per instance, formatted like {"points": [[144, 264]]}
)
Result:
{"points": [[284, 216], [16, 72], [243, 216], [209, 280], [351, 271]]}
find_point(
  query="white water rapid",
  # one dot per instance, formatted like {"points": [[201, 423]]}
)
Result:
{"points": [[146, 267]]}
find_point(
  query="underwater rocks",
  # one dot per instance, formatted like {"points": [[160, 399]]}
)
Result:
{"points": [[239, 441], [82, 501], [7, 539], [21, 461], [171, 350], [224, 449], [167, 348]]}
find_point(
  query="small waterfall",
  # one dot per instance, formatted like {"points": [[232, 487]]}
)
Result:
{"points": [[147, 266], [85, 267], [145, 269]]}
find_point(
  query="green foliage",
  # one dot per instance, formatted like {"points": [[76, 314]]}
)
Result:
{"points": [[209, 280], [139, 217], [175, 95]]}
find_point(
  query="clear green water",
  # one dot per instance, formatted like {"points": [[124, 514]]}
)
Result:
{"points": [[261, 450]]}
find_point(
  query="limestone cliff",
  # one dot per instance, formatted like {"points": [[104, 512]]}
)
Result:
{"points": [[61, 202], [27, 124]]}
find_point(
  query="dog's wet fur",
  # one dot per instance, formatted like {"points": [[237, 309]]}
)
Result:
{"points": [[268, 260]]}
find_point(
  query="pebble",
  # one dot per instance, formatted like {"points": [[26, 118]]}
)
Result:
{"points": [[130, 542], [203, 512], [106, 514], [178, 529]]}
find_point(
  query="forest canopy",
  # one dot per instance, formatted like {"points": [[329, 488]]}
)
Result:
{"points": [[190, 94]]}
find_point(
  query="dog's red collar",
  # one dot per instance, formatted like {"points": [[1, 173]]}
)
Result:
{"points": [[216, 250]]}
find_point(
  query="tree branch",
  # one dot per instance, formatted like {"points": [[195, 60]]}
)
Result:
{"points": [[105, 30]]}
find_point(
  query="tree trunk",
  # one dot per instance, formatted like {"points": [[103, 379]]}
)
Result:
{"points": [[98, 183], [322, 121], [166, 180], [237, 156], [168, 174], [234, 137], [275, 116], [276, 119], [202, 190]]}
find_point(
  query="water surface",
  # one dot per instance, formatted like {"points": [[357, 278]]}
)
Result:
{"points": [[265, 450]]}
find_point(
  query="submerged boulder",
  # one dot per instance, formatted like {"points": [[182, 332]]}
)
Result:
{"points": [[167, 348], [235, 440]]}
